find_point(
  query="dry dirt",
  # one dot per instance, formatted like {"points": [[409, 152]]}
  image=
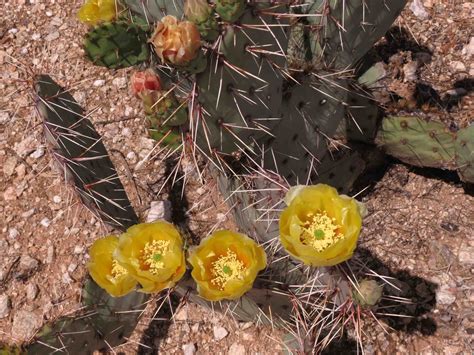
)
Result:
{"points": [[420, 227]]}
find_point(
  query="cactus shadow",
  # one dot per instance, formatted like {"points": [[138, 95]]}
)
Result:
{"points": [[157, 330], [414, 316]]}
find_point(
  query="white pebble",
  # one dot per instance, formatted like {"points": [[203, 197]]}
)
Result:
{"points": [[57, 199], [45, 222], [99, 83]]}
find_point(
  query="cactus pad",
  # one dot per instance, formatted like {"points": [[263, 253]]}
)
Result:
{"points": [[465, 154], [417, 142], [78, 147]]}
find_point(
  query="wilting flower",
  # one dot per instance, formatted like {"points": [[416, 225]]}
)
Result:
{"points": [[225, 265], [96, 11], [319, 226], [143, 81], [106, 271], [176, 42], [153, 254]]}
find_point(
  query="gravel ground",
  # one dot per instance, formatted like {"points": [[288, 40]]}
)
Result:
{"points": [[420, 227]]}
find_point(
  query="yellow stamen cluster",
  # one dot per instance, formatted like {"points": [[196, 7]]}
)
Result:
{"points": [[153, 253], [117, 271], [320, 231], [227, 267]]}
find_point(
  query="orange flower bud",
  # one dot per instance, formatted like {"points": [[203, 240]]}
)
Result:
{"points": [[176, 42], [144, 80]]}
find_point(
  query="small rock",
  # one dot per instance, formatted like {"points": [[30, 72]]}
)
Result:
{"points": [[20, 171], [36, 36], [445, 295], [38, 153], [120, 82], [78, 249], [80, 96], [45, 222], [4, 306], [9, 194], [31, 291], [4, 117], [72, 267], [189, 349], [182, 314], [418, 10], [195, 328], [409, 71], [132, 157], [52, 36], [49, 255], [219, 332], [27, 265], [28, 213], [127, 132], [25, 324], [57, 199], [466, 255], [457, 66], [9, 166], [13, 233], [236, 349], [245, 325], [159, 210], [467, 50], [66, 278], [99, 83]]}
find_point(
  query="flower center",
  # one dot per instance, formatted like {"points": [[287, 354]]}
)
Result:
{"points": [[153, 253], [320, 231], [227, 267], [117, 271]]}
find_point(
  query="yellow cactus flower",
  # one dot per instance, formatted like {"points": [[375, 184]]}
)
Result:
{"points": [[320, 227], [106, 271], [96, 11], [153, 254], [225, 265], [176, 42]]}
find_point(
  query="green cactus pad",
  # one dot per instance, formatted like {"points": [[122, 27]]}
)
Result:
{"points": [[417, 142], [235, 101], [117, 45], [465, 154], [230, 10]]}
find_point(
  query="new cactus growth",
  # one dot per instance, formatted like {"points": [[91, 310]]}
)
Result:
{"points": [[116, 45]]}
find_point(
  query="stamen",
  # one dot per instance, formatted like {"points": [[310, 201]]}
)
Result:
{"points": [[227, 267], [153, 253], [117, 272], [320, 231]]}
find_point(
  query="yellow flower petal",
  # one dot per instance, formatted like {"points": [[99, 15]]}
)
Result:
{"points": [[225, 265], [153, 254], [106, 271], [96, 11], [320, 227]]}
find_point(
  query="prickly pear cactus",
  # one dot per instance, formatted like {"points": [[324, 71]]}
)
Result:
{"points": [[116, 45]]}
